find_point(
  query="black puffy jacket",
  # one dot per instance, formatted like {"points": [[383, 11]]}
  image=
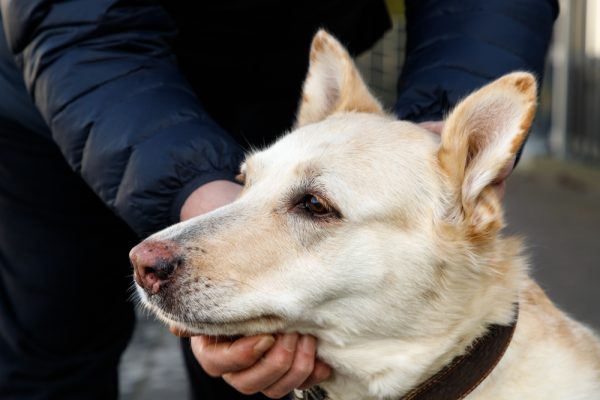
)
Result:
{"points": [[147, 113], [456, 46]]}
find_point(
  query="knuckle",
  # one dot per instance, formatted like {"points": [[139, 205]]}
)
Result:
{"points": [[303, 366], [280, 361], [304, 369], [244, 358]]}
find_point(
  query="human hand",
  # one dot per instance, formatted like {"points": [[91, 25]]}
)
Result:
{"points": [[274, 365], [499, 183], [208, 197]]}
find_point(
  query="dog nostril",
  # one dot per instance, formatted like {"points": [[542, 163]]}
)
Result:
{"points": [[164, 269], [153, 278], [149, 272]]}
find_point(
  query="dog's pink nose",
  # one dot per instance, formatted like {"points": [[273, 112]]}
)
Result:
{"points": [[154, 264]]}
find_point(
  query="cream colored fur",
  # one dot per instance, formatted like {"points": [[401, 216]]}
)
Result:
{"points": [[409, 269]]}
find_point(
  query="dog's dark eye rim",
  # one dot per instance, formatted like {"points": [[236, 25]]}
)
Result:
{"points": [[316, 206]]}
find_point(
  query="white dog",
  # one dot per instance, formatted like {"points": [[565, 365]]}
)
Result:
{"points": [[383, 241]]}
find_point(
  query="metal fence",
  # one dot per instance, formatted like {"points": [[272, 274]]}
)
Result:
{"points": [[381, 65], [583, 63]]}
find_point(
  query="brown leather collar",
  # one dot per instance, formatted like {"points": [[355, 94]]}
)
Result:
{"points": [[462, 375]]}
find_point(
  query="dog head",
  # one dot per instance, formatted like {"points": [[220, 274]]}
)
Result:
{"points": [[354, 223]]}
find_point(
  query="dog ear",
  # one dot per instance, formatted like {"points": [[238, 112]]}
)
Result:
{"points": [[480, 137], [333, 83]]}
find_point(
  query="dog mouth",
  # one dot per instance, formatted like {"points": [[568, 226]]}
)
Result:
{"points": [[225, 329], [185, 321], [183, 326]]}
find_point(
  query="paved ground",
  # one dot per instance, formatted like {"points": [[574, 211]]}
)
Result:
{"points": [[556, 206], [152, 367]]}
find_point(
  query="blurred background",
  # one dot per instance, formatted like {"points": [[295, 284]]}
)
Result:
{"points": [[552, 198]]}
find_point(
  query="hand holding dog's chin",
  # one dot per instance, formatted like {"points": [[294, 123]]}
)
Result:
{"points": [[271, 364]]}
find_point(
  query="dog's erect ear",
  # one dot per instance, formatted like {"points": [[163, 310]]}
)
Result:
{"points": [[333, 84], [480, 137]]}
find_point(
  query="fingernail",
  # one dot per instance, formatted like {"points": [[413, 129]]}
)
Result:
{"points": [[306, 344], [289, 341], [264, 344]]}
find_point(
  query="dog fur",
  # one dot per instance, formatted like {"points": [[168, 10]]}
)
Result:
{"points": [[400, 263]]}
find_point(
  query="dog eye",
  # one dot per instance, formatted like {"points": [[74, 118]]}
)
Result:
{"points": [[315, 205]]}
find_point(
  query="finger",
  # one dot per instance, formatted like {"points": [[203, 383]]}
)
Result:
{"points": [[433, 126], [321, 372], [302, 367], [276, 362], [218, 358]]}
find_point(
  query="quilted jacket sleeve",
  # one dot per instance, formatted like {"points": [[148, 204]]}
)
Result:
{"points": [[456, 46], [103, 77]]}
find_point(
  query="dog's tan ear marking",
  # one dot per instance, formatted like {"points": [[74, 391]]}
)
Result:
{"points": [[333, 84], [480, 137]]}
